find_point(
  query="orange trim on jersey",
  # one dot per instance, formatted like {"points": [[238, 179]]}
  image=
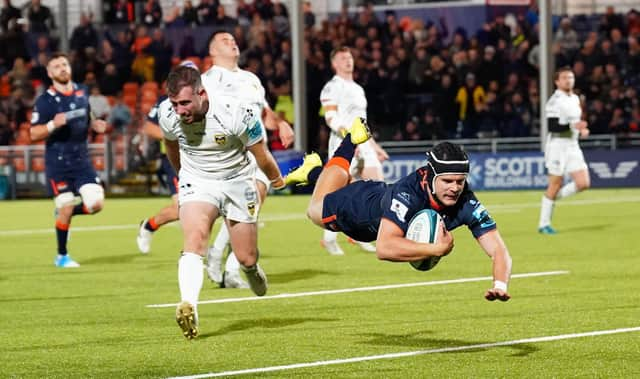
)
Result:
{"points": [[62, 226], [176, 184], [62, 93], [153, 224], [434, 204], [54, 187], [340, 162], [327, 220]]}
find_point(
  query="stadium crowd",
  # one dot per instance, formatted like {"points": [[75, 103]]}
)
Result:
{"points": [[422, 79]]}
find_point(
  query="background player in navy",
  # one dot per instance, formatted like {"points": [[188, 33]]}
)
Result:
{"points": [[372, 210], [62, 117]]}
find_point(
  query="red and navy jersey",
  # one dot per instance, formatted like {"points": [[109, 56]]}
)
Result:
{"points": [[154, 114], [69, 140], [357, 209], [410, 195]]}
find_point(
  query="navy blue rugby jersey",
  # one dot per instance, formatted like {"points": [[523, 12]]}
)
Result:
{"points": [[69, 140], [408, 196]]}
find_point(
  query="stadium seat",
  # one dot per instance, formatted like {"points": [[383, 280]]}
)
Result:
{"points": [[119, 162], [5, 86], [149, 86], [98, 163], [130, 88], [23, 137], [18, 164], [207, 62], [146, 105], [37, 164]]}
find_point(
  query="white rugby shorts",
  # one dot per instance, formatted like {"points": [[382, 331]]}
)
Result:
{"points": [[237, 199], [563, 156]]}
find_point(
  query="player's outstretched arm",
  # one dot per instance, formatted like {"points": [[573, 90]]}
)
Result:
{"points": [[391, 244], [274, 122], [152, 130], [267, 164], [493, 244]]}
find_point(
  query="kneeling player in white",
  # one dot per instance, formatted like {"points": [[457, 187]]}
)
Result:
{"points": [[208, 147]]}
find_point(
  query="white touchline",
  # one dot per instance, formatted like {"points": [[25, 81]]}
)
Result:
{"points": [[411, 353], [362, 289], [496, 208]]}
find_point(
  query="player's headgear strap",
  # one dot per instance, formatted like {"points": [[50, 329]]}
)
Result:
{"points": [[445, 159]]}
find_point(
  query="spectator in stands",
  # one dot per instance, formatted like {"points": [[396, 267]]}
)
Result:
{"points": [[633, 23], [110, 82], [244, 12], [121, 115], [308, 15], [222, 20], [189, 13], [611, 20], [470, 99], [431, 127], [599, 117], [151, 14], [264, 8], [122, 12], [40, 18], [99, 104], [8, 13], [7, 127], [84, 35], [187, 47], [38, 72], [143, 63], [281, 20], [567, 36], [122, 54], [207, 10], [632, 58], [417, 69], [162, 51]]}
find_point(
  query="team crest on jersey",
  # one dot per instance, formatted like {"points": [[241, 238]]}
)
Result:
{"points": [[72, 105], [220, 139], [251, 207]]}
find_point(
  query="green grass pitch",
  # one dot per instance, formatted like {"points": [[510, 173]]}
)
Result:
{"points": [[94, 322]]}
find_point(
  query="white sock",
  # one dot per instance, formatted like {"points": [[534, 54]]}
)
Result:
{"points": [[190, 277], [330, 236], [546, 212], [222, 239], [232, 265], [567, 190]]}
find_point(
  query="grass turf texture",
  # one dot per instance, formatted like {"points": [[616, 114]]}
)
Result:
{"points": [[93, 321]]}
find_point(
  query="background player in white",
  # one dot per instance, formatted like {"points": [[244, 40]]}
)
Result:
{"points": [[562, 152], [225, 77], [209, 149], [343, 101]]}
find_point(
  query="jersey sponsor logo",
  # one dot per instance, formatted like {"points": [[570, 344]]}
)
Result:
{"points": [[399, 209], [250, 195], [73, 114], [622, 170], [220, 139], [255, 131], [72, 106], [482, 215], [405, 197]]}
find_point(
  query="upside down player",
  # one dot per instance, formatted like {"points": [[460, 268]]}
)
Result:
{"points": [[62, 117], [372, 210]]}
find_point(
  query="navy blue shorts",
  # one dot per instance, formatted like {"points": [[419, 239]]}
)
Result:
{"points": [[70, 179], [355, 210], [168, 176]]}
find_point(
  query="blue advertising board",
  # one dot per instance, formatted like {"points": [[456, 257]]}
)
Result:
{"points": [[526, 170]]}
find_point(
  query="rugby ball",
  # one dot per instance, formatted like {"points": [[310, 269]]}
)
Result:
{"points": [[423, 227]]}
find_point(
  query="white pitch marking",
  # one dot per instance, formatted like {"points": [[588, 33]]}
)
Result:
{"points": [[362, 289], [411, 353], [496, 208]]}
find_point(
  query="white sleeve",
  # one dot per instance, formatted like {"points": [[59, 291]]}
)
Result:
{"points": [[167, 122], [329, 95], [248, 126]]}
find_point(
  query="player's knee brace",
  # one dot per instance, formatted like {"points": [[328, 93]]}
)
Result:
{"points": [[92, 197], [64, 199]]}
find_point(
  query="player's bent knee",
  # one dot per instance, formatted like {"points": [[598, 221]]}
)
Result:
{"points": [[64, 199], [92, 197]]}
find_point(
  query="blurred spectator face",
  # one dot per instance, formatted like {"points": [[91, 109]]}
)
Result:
{"points": [[110, 69], [470, 80], [223, 45], [473, 55], [342, 62], [489, 53], [565, 24], [513, 80], [611, 69], [516, 98], [494, 86], [597, 72], [605, 45], [616, 35], [59, 70], [598, 105], [566, 80], [445, 82], [579, 68]]}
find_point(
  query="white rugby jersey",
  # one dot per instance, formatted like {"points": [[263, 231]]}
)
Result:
{"points": [[348, 96], [239, 84], [216, 146], [566, 107]]}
